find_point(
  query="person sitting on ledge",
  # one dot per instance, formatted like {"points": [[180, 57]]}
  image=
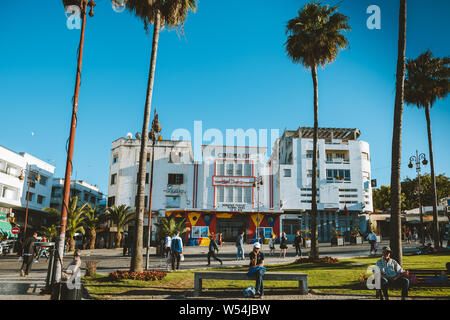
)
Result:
{"points": [[392, 274]]}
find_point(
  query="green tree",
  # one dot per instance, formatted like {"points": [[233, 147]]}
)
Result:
{"points": [[396, 189], [409, 186], [159, 13], [314, 38], [382, 199], [120, 216], [50, 232], [428, 80], [92, 221], [169, 227], [75, 220]]}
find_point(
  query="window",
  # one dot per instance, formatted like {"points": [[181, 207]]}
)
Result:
{"points": [[310, 173], [229, 169], [175, 178], [9, 193], [111, 201], [115, 158], [146, 177], [365, 156], [221, 169], [220, 194], [86, 197], [239, 170], [199, 232], [145, 201], [148, 157], [172, 202], [40, 199], [113, 178], [248, 195], [30, 196], [287, 172], [43, 180], [228, 194], [248, 169], [238, 195], [309, 154], [338, 174]]}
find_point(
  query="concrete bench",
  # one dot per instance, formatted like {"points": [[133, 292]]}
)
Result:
{"points": [[302, 278]]}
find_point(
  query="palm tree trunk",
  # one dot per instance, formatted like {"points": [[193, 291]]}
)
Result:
{"points": [[71, 244], [436, 236], [118, 239], [396, 190], [136, 260], [314, 230], [93, 237]]}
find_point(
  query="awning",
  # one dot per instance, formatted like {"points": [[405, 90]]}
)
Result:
{"points": [[5, 230]]}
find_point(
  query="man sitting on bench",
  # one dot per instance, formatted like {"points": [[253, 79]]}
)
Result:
{"points": [[391, 274]]}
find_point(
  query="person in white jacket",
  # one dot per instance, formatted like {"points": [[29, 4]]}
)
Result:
{"points": [[177, 250]]}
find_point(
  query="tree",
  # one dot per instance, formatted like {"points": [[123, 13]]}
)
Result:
{"points": [[428, 80], [396, 189], [382, 199], [160, 13], [50, 232], [168, 227], [92, 222], [409, 187], [75, 220], [120, 216], [314, 38]]}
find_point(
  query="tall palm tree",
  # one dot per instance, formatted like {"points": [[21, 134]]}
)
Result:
{"points": [[159, 13], [168, 227], [427, 80], [120, 216], [396, 189], [75, 220], [314, 38], [92, 220]]}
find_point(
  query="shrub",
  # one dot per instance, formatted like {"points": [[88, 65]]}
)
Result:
{"points": [[151, 275], [320, 260]]}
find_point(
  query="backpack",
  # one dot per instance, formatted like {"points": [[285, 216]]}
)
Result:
{"points": [[176, 245], [249, 292]]}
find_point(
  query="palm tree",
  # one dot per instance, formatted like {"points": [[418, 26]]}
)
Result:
{"points": [[396, 189], [50, 232], [168, 227], [160, 13], [92, 220], [314, 38], [75, 220], [427, 79], [120, 216]]}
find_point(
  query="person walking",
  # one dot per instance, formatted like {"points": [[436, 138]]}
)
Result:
{"points": [[257, 269], [167, 243], [283, 245], [176, 247], [220, 240], [298, 244], [29, 251], [372, 238], [240, 246], [272, 245], [213, 247]]}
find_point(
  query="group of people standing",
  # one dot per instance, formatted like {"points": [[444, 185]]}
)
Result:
{"points": [[173, 251]]}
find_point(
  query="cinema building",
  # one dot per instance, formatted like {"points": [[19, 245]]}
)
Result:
{"points": [[225, 193]]}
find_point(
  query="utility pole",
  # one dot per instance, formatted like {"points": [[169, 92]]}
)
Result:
{"points": [[66, 189]]}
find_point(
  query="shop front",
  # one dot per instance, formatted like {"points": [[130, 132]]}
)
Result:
{"points": [[201, 224]]}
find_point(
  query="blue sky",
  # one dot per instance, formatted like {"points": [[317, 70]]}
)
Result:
{"points": [[230, 71]]}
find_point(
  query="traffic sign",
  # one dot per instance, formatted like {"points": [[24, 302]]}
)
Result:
{"points": [[15, 230]]}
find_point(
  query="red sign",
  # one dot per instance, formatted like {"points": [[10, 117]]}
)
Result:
{"points": [[15, 230]]}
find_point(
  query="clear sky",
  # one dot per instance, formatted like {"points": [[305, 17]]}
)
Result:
{"points": [[230, 71]]}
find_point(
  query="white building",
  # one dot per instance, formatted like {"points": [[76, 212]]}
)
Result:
{"points": [[17, 173], [344, 191], [85, 192]]}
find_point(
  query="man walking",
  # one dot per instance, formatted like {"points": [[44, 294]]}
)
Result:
{"points": [[240, 246], [29, 251], [176, 247], [298, 244], [391, 274], [212, 250], [372, 237]]}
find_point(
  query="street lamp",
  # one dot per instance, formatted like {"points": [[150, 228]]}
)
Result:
{"points": [[156, 128], [258, 182], [416, 159], [32, 176]]}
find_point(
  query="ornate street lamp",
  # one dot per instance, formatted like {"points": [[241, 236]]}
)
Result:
{"points": [[156, 128], [258, 182], [416, 159]]}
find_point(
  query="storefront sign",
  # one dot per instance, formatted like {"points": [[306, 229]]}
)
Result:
{"points": [[233, 206], [172, 189], [233, 181], [233, 155]]}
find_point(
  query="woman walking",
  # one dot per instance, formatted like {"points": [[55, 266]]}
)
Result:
{"points": [[283, 245]]}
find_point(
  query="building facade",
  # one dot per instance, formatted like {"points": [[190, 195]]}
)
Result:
{"points": [[25, 181], [344, 194], [85, 192]]}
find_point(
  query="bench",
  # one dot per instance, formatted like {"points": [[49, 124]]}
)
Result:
{"points": [[302, 278], [423, 276]]}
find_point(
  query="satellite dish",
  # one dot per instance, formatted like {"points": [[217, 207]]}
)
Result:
{"points": [[138, 136], [129, 135]]}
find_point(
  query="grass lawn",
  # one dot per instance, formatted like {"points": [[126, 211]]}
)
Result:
{"points": [[336, 278]]}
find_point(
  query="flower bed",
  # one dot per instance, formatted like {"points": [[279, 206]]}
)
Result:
{"points": [[144, 275], [320, 260]]}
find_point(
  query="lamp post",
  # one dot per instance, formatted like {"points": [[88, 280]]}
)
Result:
{"points": [[32, 176], [258, 182], [66, 189], [156, 128], [417, 158]]}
